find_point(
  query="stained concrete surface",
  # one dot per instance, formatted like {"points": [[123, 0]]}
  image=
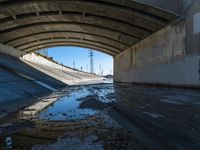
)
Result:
{"points": [[16, 64], [138, 117], [109, 26], [65, 125], [14, 95], [21, 85], [169, 117]]}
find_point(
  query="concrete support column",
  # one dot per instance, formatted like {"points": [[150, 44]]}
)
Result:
{"points": [[169, 57], [193, 29]]}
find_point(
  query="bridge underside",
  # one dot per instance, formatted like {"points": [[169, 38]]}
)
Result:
{"points": [[149, 40], [110, 26]]}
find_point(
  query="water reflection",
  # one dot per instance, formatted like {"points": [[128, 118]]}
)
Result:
{"points": [[68, 107]]}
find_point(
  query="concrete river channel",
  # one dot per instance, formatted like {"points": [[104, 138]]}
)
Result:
{"points": [[107, 116]]}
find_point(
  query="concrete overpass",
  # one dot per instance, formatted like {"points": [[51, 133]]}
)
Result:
{"points": [[151, 40]]}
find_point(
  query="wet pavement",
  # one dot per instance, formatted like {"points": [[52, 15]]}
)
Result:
{"points": [[169, 118], [107, 116]]}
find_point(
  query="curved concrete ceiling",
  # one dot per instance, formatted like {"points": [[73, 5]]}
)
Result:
{"points": [[110, 26]]}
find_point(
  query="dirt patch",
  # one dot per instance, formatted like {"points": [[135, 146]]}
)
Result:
{"points": [[96, 132], [88, 143]]}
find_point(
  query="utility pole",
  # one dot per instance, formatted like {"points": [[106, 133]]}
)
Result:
{"points": [[87, 67], [91, 55], [73, 65], [111, 71], [44, 52], [100, 70]]}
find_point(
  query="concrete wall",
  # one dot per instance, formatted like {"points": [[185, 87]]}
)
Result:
{"points": [[193, 29], [171, 56], [5, 49]]}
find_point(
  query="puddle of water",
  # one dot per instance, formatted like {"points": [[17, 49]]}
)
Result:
{"points": [[67, 108], [103, 91], [109, 80], [102, 95]]}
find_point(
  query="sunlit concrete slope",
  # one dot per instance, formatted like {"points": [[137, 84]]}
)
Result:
{"points": [[19, 66], [59, 72], [23, 82]]}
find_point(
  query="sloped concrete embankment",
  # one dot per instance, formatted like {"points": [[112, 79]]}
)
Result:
{"points": [[21, 85], [24, 82], [58, 71]]}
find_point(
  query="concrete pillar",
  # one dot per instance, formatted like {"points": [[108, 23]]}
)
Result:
{"points": [[169, 57], [193, 29]]}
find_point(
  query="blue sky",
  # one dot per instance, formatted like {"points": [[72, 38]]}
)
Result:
{"points": [[68, 54]]}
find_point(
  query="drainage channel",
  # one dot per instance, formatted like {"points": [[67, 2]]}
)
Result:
{"points": [[74, 118]]}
